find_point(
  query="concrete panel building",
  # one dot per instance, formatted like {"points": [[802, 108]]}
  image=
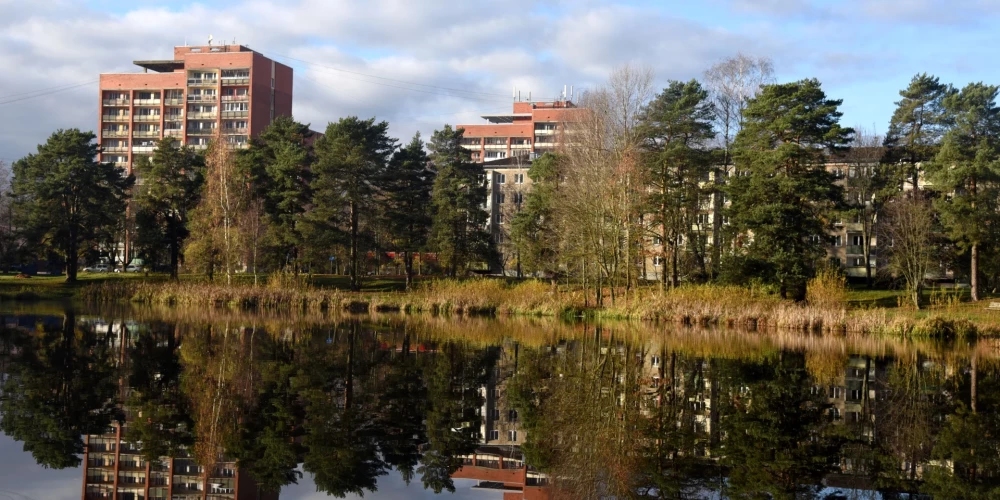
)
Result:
{"points": [[201, 90]]}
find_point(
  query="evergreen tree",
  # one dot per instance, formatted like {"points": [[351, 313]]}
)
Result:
{"points": [[279, 164], [170, 189], [918, 123], [459, 232], [350, 159], [64, 198], [967, 171], [782, 194], [534, 228], [677, 125], [407, 186]]}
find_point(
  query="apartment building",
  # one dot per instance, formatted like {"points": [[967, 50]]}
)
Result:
{"points": [[202, 90], [114, 469], [506, 146]]}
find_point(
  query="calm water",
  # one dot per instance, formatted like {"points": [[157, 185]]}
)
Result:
{"points": [[158, 404]]}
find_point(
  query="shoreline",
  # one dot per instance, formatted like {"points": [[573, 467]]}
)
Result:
{"points": [[696, 305]]}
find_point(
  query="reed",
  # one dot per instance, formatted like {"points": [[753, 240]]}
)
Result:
{"points": [[742, 308]]}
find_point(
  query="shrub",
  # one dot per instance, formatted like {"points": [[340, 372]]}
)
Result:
{"points": [[827, 289]]}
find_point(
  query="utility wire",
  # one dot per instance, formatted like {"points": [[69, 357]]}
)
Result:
{"points": [[449, 89], [8, 101], [3, 98]]}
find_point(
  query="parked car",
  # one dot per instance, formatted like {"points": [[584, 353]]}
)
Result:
{"points": [[133, 268], [99, 268]]}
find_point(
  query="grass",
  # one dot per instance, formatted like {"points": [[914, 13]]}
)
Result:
{"points": [[851, 310]]}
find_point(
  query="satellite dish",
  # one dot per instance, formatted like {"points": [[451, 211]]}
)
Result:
{"points": [[210, 39]]}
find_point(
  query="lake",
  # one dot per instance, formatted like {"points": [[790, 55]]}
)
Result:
{"points": [[207, 404]]}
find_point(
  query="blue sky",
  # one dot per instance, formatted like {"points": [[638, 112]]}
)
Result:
{"points": [[864, 51]]}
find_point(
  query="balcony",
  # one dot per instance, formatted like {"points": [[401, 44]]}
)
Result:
{"points": [[174, 101], [234, 131], [146, 118], [203, 81], [147, 102], [203, 115], [235, 98], [173, 132], [855, 250], [202, 98], [115, 118], [143, 149], [173, 117], [115, 102], [146, 133], [545, 131], [114, 133], [114, 149], [200, 131], [236, 80], [236, 114]]}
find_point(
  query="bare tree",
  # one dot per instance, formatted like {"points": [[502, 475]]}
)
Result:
{"points": [[603, 192], [216, 236], [732, 82], [909, 229], [870, 185]]}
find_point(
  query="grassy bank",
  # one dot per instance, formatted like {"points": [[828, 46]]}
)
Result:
{"points": [[865, 312]]}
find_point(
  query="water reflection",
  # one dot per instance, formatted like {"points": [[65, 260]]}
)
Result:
{"points": [[158, 406]]}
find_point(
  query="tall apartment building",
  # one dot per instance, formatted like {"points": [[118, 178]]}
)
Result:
{"points": [[506, 145], [201, 90], [114, 469]]}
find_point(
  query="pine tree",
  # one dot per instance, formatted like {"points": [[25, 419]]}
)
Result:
{"points": [[534, 228], [350, 159], [782, 195], [64, 198], [459, 231], [677, 125], [407, 186], [918, 123], [171, 188], [279, 165], [967, 172]]}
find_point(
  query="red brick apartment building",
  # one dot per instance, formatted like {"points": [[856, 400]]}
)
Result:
{"points": [[114, 469], [533, 127], [201, 90]]}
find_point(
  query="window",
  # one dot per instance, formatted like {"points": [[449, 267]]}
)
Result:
{"points": [[512, 415], [235, 106], [838, 241], [858, 261], [501, 178], [657, 240], [856, 394], [496, 154], [835, 261], [857, 240], [493, 435], [704, 219], [518, 178], [500, 218], [655, 360], [512, 436], [835, 413], [657, 261], [495, 414], [501, 198], [518, 197]]}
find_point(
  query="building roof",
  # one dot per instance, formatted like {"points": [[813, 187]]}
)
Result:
{"points": [[505, 117], [161, 65]]}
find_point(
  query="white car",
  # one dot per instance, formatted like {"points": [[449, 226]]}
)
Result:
{"points": [[133, 268], [100, 268]]}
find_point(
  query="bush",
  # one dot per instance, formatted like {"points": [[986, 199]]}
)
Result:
{"points": [[827, 289]]}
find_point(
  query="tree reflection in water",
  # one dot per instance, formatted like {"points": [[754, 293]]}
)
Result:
{"points": [[551, 409]]}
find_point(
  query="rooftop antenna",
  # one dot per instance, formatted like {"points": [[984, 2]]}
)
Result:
{"points": [[210, 39], [564, 92], [571, 93], [513, 92]]}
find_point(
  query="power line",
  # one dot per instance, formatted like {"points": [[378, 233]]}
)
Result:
{"points": [[44, 89], [449, 89], [47, 93]]}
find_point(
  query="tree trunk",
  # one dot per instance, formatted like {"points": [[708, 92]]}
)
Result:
{"points": [[71, 259], [354, 246], [674, 276], [974, 273], [915, 295], [408, 259], [174, 251]]}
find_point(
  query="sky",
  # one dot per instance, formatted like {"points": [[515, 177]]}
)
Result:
{"points": [[419, 64], [23, 479]]}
